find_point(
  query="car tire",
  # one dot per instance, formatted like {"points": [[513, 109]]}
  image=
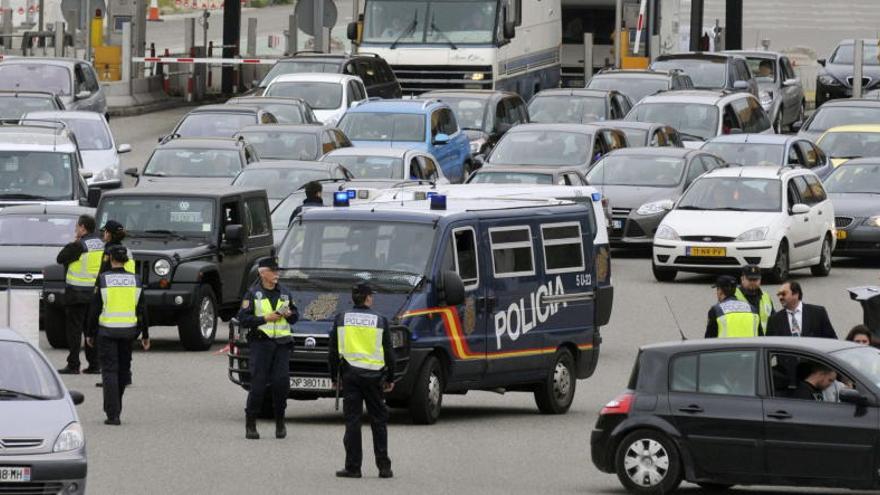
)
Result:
{"points": [[663, 274], [714, 487], [647, 462], [198, 325], [779, 272], [427, 398], [55, 323], [823, 269], [556, 393]]}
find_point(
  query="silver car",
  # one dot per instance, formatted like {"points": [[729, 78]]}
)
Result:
{"points": [[779, 89], [73, 80], [42, 445]]}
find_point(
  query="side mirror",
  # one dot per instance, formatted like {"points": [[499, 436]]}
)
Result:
{"points": [[741, 85], [800, 209], [796, 126], [132, 172], [123, 148], [441, 138], [233, 235], [352, 31], [77, 397], [451, 289], [852, 396], [86, 174], [791, 82], [94, 196], [82, 95], [509, 30], [107, 184], [820, 61]]}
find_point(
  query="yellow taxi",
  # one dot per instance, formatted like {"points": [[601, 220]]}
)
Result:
{"points": [[846, 142]]}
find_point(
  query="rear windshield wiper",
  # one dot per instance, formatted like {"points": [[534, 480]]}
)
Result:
{"points": [[21, 196], [15, 393]]}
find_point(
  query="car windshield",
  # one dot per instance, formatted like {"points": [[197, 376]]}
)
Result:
{"points": [[645, 170], [432, 21], [695, 119], [91, 134], [762, 69], [380, 126], [36, 230], [469, 112], [284, 145], [844, 54], [486, 176], [214, 124], [371, 167], [566, 109], [748, 153], [299, 67], [636, 137], [635, 88], [15, 107], [51, 78], [280, 182], [733, 193], [25, 374], [850, 144], [145, 216], [36, 175], [709, 73], [319, 95], [864, 359], [827, 117], [548, 147], [194, 163], [362, 246], [854, 179]]}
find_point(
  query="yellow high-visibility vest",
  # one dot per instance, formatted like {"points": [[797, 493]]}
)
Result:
{"points": [[120, 293], [360, 341], [280, 328], [765, 307], [83, 273], [736, 320]]}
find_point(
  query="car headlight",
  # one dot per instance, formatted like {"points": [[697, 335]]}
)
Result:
{"points": [[758, 234], [873, 221], [828, 80], [766, 99], [70, 439], [475, 76], [162, 267], [109, 173], [666, 232], [654, 207], [477, 145]]}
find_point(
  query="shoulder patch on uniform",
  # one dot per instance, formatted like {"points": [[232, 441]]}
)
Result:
{"points": [[258, 295], [245, 303]]}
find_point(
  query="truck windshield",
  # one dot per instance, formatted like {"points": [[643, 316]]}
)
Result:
{"points": [[144, 216], [36, 175], [362, 246], [431, 21]]}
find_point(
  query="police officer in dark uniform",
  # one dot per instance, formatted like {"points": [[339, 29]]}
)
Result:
{"points": [[360, 351], [268, 312], [731, 318], [118, 316]]}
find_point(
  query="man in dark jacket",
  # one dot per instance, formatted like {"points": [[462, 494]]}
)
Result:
{"points": [[313, 198], [797, 319]]}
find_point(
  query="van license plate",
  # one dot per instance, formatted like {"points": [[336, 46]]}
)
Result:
{"points": [[15, 474], [707, 251], [309, 383]]}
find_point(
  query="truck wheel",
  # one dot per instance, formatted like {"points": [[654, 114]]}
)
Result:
{"points": [[198, 325], [54, 322], [646, 462], [556, 394], [424, 405]]}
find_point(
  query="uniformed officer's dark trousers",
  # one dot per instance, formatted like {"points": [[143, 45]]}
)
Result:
{"points": [[270, 370], [75, 314], [115, 352], [357, 390]]}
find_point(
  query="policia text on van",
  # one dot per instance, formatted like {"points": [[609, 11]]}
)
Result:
{"points": [[481, 294]]}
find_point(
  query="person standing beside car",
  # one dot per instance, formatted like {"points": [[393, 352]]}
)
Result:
{"points": [[797, 319], [750, 291], [730, 318]]}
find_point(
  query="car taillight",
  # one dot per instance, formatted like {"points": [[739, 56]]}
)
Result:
{"points": [[620, 405]]}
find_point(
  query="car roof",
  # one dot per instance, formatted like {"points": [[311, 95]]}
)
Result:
{"points": [[871, 160], [60, 61], [260, 100], [635, 73], [47, 209], [856, 128], [754, 53], [802, 344], [704, 96], [633, 124], [30, 136], [16, 93], [563, 127], [370, 151], [754, 138], [305, 128], [202, 143], [182, 190], [414, 106], [65, 114], [331, 57], [527, 169], [667, 151], [421, 209], [756, 172], [582, 92], [466, 93], [220, 108], [695, 55], [287, 164], [850, 102], [315, 76]]}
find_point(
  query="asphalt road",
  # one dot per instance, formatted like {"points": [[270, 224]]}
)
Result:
{"points": [[183, 421]]}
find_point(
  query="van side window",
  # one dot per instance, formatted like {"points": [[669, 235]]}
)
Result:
{"points": [[466, 257], [563, 248], [512, 253]]}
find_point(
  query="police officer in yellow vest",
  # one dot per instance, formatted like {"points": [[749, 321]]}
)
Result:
{"points": [[267, 310], [360, 351], [730, 318], [750, 292], [112, 233], [118, 317], [82, 257]]}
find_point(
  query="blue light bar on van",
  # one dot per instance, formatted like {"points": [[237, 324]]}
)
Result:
{"points": [[597, 196], [340, 198], [431, 194], [438, 202], [352, 193]]}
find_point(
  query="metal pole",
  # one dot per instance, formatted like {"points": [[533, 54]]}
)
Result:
{"points": [[696, 24], [650, 29], [318, 25], [189, 40], [231, 34], [588, 57], [40, 6], [355, 12], [59, 39], [618, 20], [126, 52], [88, 55], [733, 20], [252, 36], [858, 59], [292, 35]]}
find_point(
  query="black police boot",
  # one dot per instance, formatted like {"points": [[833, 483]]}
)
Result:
{"points": [[346, 473], [114, 421], [280, 428], [250, 426], [386, 472]]}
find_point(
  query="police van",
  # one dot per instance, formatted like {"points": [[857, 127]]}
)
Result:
{"points": [[482, 294]]}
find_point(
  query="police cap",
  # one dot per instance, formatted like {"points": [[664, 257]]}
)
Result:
{"points": [[725, 281], [113, 227], [269, 263], [751, 272]]}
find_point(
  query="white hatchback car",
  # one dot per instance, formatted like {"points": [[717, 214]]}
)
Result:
{"points": [[776, 218], [329, 95]]}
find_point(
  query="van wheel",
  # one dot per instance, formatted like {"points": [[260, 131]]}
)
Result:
{"points": [[198, 325], [663, 274], [54, 321], [779, 272], [556, 394], [427, 398], [824, 266], [646, 462]]}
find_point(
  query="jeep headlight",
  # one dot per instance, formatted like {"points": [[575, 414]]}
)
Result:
{"points": [[654, 207], [666, 232], [873, 221], [398, 339], [758, 234], [162, 267], [70, 439], [828, 80], [766, 99]]}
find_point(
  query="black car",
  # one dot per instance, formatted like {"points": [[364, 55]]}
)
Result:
{"points": [[293, 141], [16, 104], [711, 70], [483, 114], [578, 106], [373, 70], [285, 110], [836, 113], [219, 121], [637, 84], [835, 78], [195, 161], [853, 188], [194, 248], [647, 133], [723, 412]]}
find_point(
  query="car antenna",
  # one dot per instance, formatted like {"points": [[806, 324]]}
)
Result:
{"points": [[680, 331]]}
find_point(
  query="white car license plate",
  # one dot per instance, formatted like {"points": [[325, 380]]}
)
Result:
{"points": [[309, 383], [616, 224], [15, 474]]}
